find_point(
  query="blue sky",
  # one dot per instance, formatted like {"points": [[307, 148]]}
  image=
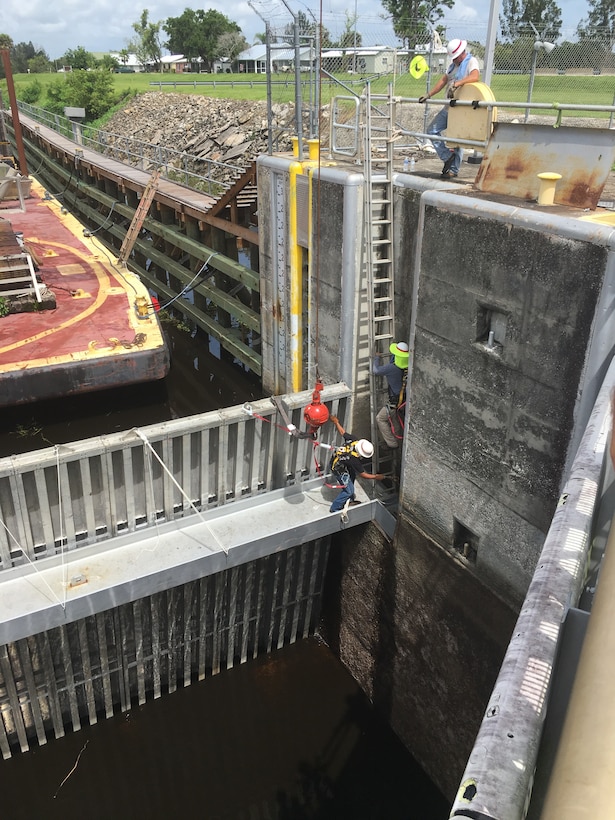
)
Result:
{"points": [[106, 25]]}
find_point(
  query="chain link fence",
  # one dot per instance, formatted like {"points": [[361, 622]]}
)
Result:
{"points": [[530, 69]]}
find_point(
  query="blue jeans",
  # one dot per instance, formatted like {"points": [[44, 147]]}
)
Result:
{"points": [[436, 127], [345, 493]]}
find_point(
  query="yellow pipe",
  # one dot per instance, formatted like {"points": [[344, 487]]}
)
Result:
{"points": [[582, 786], [296, 261], [296, 301]]}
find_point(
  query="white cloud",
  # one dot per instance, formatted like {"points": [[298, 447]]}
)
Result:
{"points": [[99, 25]]}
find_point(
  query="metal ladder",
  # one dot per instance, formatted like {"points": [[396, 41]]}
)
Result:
{"points": [[139, 217], [378, 157]]}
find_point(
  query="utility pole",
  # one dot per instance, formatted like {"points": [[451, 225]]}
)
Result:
{"points": [[298, 112], [268, 76], [8, 73]]}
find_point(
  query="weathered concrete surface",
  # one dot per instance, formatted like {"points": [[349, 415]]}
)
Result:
{"points": [[488, 430], [422, 635]]}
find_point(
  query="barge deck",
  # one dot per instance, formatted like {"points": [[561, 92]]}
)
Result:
{"points": [[83, 323]]}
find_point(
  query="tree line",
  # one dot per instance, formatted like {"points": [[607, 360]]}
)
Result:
{"points": [[210, 35]]}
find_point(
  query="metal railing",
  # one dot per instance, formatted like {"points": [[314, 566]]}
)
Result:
{"points": [[76, 494], [174, 165], [499, 776], [346, 120]]}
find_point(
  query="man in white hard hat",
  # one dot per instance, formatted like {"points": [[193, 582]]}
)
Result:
{"points": [[350, 460], [463, 69]]}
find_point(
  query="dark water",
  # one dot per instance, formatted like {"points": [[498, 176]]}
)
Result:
{"points": [[198, 382], [285, 737]]}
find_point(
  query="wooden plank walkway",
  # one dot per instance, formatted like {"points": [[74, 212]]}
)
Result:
{"points": [[179, 197]]}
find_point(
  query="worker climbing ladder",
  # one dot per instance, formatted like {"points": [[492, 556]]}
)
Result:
{"points": [[139, 217], [378, 145]]}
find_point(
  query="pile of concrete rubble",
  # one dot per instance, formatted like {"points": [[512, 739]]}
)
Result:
{"points": [[233, 132]]}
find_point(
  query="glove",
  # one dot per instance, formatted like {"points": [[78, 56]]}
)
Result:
{"points": [[423, 99]]}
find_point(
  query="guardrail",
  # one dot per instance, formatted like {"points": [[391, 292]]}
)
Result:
{"points": [[174, 165], [346, 120], [499, 776], [76, 494]]}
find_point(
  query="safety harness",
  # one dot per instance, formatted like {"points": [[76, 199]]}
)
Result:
{"points": [[342, 456]]}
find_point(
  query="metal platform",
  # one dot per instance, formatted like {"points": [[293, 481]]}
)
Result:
{"points": [[67, 587]]}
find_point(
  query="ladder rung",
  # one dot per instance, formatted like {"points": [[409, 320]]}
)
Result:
{"points": [[13, 268], [29, 289], [14, 279]]}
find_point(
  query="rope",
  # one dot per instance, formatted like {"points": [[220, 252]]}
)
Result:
{"points": [[317, 465], [318, 202], [344, 512], [150, 472], [32, 563], [146, 441], [289, 428], [400, 418], [88, 233], [190, 283], [61, 516]]}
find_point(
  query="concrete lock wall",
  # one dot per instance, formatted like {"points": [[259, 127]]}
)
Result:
{"points": [[491, 419], [332, 298], [423, 622], [423, 637]]}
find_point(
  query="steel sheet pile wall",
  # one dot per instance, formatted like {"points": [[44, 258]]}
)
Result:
{"points": [[70, 676]]}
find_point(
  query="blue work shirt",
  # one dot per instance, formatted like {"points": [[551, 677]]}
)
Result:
{"points": [[394, 375]]}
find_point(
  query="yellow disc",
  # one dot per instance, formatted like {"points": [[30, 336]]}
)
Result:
{"points": [[418, 66]]}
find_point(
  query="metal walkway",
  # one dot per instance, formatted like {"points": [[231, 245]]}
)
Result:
{"points": [[94, 524], [130, 567]]}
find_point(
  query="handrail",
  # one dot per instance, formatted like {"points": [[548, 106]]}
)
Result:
{"points": [[498, 778], [173, 164], [344, 138], [77, 494]]}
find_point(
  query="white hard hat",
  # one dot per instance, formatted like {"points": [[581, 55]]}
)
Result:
{"points": [[365, 448], [456, 47]]}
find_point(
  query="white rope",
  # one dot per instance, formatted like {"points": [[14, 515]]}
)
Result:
{"points": [[344, 511], [64, 564], [150, 472], [146, 441], [32, 564]]}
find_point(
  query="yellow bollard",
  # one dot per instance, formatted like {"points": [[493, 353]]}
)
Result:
{"points": [[313, 149], [546, 189]]}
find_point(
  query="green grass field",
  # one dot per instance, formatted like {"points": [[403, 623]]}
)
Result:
{"points": [[590, 90]]}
